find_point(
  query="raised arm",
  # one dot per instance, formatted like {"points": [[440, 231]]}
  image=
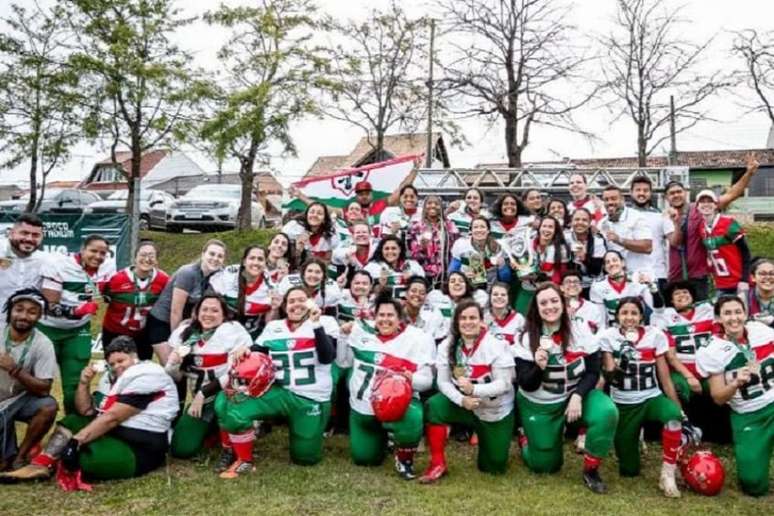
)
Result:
{"points": [[737, 189]]}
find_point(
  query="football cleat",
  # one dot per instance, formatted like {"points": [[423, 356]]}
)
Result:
{"points": [[27, 473], [238, 467], [667, 482], [225, 460], [433, 473], [405, 469], [594, 482]]}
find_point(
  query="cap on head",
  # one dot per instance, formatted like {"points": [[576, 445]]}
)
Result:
{"points": [[707, 194], [363, 186]]}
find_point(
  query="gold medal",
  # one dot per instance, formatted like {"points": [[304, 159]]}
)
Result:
{"points": [[631, 335], [546, 343], [99, 366]]}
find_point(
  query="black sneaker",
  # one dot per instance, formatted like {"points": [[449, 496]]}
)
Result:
{"points": [[225, 460], [405, 469], [594, 482]]}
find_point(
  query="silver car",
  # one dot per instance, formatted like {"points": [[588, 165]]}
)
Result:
{"points": [[211, 207], [149, 200]]}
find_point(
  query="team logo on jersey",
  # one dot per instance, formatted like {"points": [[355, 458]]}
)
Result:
{"points": [[277, 329], [314, 410], [198, 360], [378, 357]]}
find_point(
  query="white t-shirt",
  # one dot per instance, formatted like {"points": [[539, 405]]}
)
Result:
{"points": [[660, 226], [39, 361], [16, 272], [632, 226]]}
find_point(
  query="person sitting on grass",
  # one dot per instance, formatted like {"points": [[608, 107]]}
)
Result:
{"points": [[27, 370], [120, 431]]}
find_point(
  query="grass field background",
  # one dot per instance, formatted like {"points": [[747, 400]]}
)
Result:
{"points": [[336, 486]]}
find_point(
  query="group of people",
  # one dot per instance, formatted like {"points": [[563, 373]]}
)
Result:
{"points": [[515, 322]]}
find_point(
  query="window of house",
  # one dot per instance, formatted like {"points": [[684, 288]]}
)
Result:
{"points": [[107, 175], [762, 183]]}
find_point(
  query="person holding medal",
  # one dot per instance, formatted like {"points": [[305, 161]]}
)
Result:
{"points": [[311, 276], [557, 367], [313, 234], [500, 317], [579, 309], [203, 347], [479, 256], [430, 238], [130, 294], [461, 213], [390, 268], [475, 379], [739, 363], [72, 285], [279, 258], [587, 248], [356, 253], [395, 220], [302, 345], [356, 302], [635, 365], [617, 283]]}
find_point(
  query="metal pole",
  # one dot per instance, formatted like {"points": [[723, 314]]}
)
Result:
{"points": [[429, 150], [672, 133]]}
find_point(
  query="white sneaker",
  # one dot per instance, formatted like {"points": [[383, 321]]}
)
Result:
{"points": [[667, 482]]}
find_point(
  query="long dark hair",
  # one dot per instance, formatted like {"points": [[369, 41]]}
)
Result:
{"points": [[326, 228], [500, 284], [480, 196], [630, 300], [195, 325], [283, 308], [497, 207], [491, 242], [566, 218], [468, 285], [288, 256], [242, 282], [302, 271], [533, 327], [455, 334], [593, 265], [379, 253], [557, 241]]}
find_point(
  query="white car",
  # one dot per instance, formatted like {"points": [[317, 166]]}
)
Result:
{"points": [[211, 207], [149, 199]]}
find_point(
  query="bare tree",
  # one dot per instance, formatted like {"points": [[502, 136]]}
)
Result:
{"points": [[648, 61], [518, 61], [757, 51]]}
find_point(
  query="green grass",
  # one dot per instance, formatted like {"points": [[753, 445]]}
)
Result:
{"points": [[336, 486]]}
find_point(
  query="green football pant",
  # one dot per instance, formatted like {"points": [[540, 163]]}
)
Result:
{"points": [[544, 425], [105, 458], [753, 441], [190, 432], [368, 435], [630, 420], [523, 300], [494, 438], [306, 419], [73, 352], [684, 391]]}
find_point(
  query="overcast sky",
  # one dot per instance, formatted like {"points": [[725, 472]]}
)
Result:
{"points": [[315, 137]]}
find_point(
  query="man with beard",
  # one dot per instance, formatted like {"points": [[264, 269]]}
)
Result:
{"points": [[27, 370], [626, 231], [688, 259], [20, 257], [662, 228]]}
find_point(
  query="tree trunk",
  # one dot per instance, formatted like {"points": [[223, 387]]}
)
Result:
{"points": [[642, 148], [379, 145], [512, 143], [133, 186], [33, 202], [246, 174]]}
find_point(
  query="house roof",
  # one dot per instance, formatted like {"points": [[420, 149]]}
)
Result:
{"points": [[717, 159], [124, 158], [395, 144]]}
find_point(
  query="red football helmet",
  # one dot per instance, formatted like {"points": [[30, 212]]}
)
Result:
{"points": [[252, 376], [390, 396], [703, 472]]}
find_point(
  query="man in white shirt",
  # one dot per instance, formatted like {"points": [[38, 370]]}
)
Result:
{"points": [[20, 257], [662, 228], [626, 231]]}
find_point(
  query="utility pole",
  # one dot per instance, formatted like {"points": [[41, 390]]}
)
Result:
{"points": [[429, 150], [672, 159]]}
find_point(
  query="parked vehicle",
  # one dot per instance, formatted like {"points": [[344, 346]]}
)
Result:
{"points": [[149, 200], [211, 207], [55, 200]]}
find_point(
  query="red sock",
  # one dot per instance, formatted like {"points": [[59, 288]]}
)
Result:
{"points": [[405, 454], [590, 462], [582, 431], [436, 441], [670, 442], [522, 440], [225, 440], [243, 445], [43, 459]]}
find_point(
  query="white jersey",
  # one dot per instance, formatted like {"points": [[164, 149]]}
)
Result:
{"points": [[489, 354], [592, 204], [660, 226], [480, 264], [17, 273], [64, 273], [445, 304], [370, 355], [499, 230], [257, 297], [347, 255], [598, 252], [461, 219], [208, 359], [296, 365], [332, 290], [608, 293], [397, 214], [721, 356], [564, 369], [396, 278], [351, 310], [145, 378], [316, 245], [688, 332], [509, 328], [431, 321], [637, 360], [589, 314], [633, 226], [342, 229]]}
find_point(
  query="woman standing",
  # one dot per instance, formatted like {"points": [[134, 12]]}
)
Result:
{"points": [[430, 240], [557, 209], [461, 214], [501, 318], [635, 365], [557, 366], [358, 251], [302, 344], [343, 222], [587, 248], [395, 220], [279, 259], [456, 288], [475, 380], [130, 293], [508, 214], [390, 268], [479, 256], [582, 200], [202, 349], [181, 294], [550, 250], [532, 199], [616, 284], [247, 289], [739, 364], [356, 302], [393, 348], [313, 234]]}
